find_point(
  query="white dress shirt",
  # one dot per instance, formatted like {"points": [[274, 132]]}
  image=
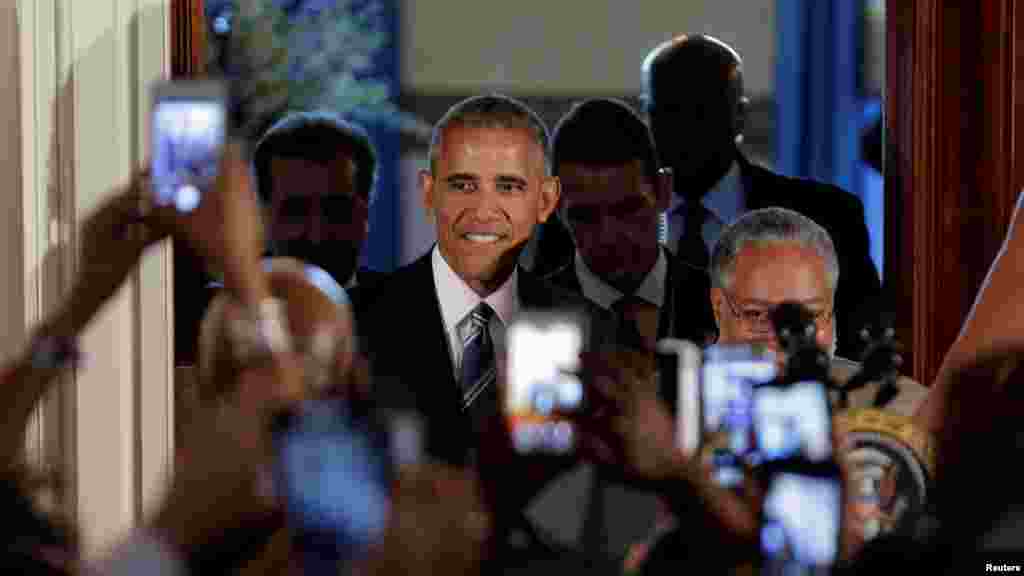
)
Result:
{"points": [[652, 289], [726, 201], [457, 300]]}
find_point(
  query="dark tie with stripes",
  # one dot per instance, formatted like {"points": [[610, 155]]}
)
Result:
{"points": [[479, 394]]}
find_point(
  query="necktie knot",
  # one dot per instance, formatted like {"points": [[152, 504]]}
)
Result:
{"points": [[481, 315], [476, 321]]}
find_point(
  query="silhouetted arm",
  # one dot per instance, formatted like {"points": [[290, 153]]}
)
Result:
{"points": [[995, 320]]}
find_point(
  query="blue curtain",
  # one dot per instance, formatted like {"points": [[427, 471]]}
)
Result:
{"points": [[381, 251], [821, 106]]}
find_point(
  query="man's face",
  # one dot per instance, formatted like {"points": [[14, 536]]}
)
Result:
{"points": [[316, 214], [487, 191], [613, 213], [694, 125], [764, 276]]}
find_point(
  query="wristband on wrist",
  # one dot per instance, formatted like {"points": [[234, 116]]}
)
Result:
{"points": [[49, 352]]}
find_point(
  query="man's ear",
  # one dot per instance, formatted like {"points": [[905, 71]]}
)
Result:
{"points": [[550, 193], [663, 184], [717, 302], [426, 182], [740, 120]]}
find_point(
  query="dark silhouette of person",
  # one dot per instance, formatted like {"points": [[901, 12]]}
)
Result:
{"points": [[693, 95]]}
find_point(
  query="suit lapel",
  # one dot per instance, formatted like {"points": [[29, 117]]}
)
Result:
{"points": [[533, 291], [667, 314], [427, 325], [761, 188], [565, 277], [422, 358]]}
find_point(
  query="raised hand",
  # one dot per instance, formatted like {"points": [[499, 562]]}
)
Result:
{"points": [[225, 228], [626, 424]]}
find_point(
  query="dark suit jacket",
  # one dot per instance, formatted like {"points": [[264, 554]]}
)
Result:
{"points": [[402, 333], [859, 294], [630, 513], [403, 336], [682, 315]]}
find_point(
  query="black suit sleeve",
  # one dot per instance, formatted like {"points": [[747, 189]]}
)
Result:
{"points": [[859, 296]]}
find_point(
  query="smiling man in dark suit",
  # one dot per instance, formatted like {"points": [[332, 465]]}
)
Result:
{"points": [[488, 185], [433, 330], [693, 94]]}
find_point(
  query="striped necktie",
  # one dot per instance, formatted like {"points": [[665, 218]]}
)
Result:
{"points": [[478, 368]]}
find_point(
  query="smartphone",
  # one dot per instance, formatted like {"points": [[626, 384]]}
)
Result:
{"points": [[729, 377], [793, 421], [543, 386], [188, 128], [335, 473], [679, 363], [801, 518]]}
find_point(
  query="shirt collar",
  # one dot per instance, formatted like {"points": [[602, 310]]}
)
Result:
{"points": [[457, 299], [652, 289], [726, 199]]}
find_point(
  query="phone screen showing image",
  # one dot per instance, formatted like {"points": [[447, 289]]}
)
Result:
{"points": [[729, 377], [335, 474], [793, 421], [543, 385], [801, 523], [188, 139]]}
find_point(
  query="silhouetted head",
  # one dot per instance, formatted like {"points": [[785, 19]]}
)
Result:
{"points": [[693, 95], [315, 176], [612, 191]]}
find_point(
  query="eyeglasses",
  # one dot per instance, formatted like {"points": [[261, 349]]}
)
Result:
{"points": [[759, 319]]}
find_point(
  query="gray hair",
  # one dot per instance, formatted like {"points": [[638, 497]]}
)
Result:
{"points": [[770, 225], [491, 111]]}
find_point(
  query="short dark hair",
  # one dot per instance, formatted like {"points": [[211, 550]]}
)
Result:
{"points": [[316, 135], [603, 131], [702, 58], [490, 111]]}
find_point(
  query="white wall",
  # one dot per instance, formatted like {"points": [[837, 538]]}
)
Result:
{"points": [[575, 47], [559, 48], [79, 95]]}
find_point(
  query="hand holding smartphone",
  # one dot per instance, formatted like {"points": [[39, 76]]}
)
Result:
{"points": [[202, 184], [335, 473], [188, 130], [543, 386], [730, 378]]}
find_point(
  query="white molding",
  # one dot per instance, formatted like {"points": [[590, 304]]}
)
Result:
{"points": [[151, 41], [82, 71]]}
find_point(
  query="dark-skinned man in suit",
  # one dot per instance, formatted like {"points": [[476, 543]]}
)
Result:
{"points": [[693, 95]]}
